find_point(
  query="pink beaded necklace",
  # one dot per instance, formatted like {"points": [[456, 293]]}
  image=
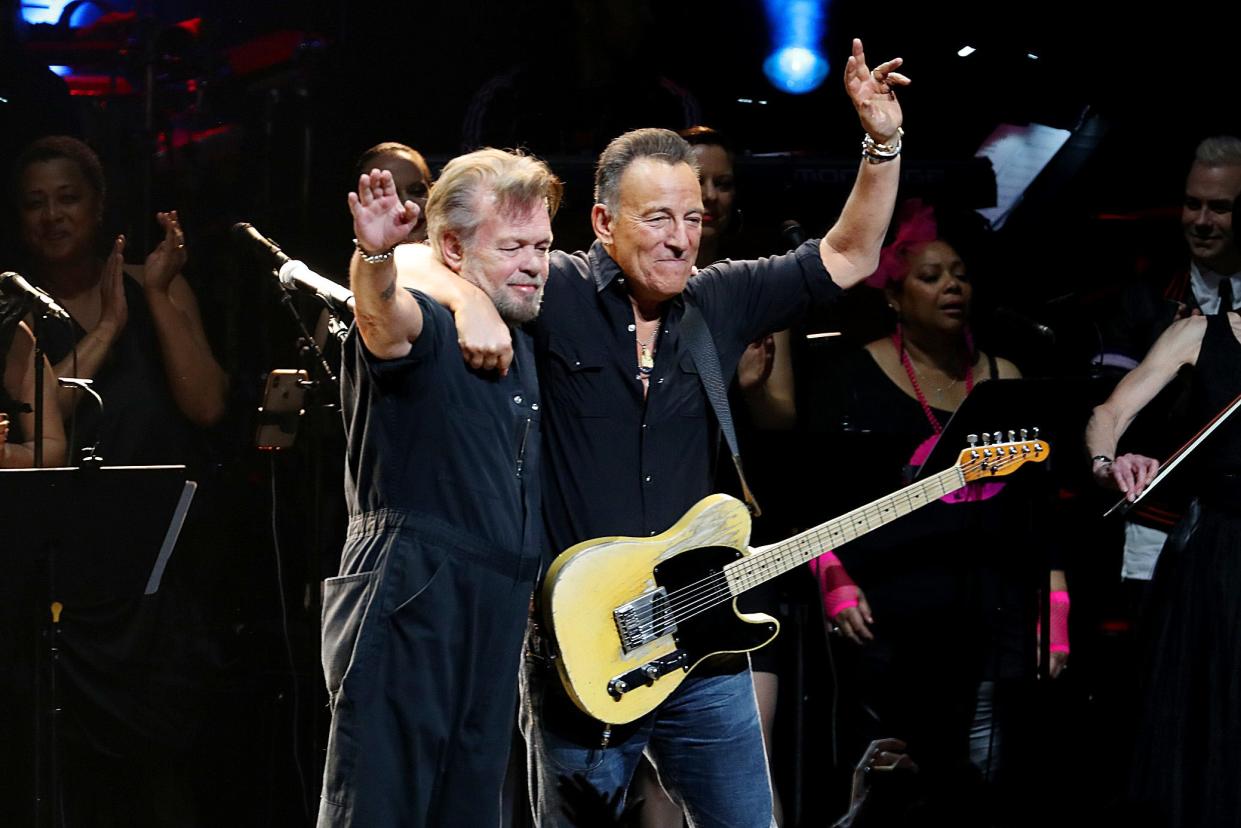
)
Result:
{"points": [[899, 342]]}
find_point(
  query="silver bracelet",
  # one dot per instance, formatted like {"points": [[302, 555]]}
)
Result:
{"points": [[374, 258], [877, 153]]}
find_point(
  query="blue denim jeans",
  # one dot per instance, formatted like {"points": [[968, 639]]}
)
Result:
{"points": [[705, 741]]}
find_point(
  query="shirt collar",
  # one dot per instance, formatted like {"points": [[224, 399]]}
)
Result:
{"points": [[605, 271], [603, 267]]}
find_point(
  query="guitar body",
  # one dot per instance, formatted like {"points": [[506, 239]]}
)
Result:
{"points": [[632, 616], [586, 584]]}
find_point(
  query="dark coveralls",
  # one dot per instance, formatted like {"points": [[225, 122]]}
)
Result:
{"points": [[423, 629]]}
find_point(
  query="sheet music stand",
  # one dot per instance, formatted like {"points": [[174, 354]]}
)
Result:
{"points": [[1059, 408], [73, 539]]}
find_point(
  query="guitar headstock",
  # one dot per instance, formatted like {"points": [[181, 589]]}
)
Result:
{"points": [[996, 457]]}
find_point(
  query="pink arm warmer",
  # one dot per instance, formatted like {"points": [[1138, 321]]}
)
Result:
{"points": [[837, 588]]}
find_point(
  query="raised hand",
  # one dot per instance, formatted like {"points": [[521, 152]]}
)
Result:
{"points": [[380, 220], [873, 92], [114, 310], [168, 257]]}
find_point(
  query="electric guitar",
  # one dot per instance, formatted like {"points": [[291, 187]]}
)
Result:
{"points": [[630, 617]]}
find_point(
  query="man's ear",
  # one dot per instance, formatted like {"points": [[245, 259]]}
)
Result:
{"points": [[453, 251], [601, 220]]}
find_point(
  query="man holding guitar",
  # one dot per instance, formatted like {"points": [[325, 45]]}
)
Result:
{"points": [[629, 440]]}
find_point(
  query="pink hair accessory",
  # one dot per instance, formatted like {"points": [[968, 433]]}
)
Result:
{"points": [[915, 225]]}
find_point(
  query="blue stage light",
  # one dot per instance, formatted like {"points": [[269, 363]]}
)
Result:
{"points": [[50, 11], [796, 64]]}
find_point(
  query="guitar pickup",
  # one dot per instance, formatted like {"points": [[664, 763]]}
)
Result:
{"points": [[647, 674], [643, 619]]}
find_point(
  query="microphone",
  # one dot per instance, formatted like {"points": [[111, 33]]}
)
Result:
{"points": [[294, 274], [792, 233], [1011, 317], [14, 285]]}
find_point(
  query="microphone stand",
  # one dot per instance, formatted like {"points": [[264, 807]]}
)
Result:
{"points": [[306, 345], [40, 317], [317, 408]]}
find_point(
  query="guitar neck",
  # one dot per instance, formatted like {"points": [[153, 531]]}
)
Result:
{"points": [[748, 572]]}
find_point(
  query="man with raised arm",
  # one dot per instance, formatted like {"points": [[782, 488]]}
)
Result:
{"points": [[630, 439], [422, 630]]}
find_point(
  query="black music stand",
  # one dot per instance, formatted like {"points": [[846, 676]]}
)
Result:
{"points": [[1057, 408], [74, 540]]}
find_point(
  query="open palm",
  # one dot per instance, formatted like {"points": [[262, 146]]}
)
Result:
{"points": [[380, 220]]}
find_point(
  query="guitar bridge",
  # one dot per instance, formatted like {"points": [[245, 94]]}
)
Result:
{"points": [[643, 619], [647, 674]]}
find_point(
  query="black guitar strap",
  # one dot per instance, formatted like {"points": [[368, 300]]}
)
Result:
{"points": [[707, 359]]}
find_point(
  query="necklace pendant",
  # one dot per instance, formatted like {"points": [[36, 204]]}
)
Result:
{"points": [[646, 361]]}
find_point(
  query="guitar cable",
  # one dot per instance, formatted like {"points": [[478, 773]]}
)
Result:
{"points": [[288, 643]]}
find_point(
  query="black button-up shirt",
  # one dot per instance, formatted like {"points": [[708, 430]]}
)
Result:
{"points": [[618, 464], [429, 435]]}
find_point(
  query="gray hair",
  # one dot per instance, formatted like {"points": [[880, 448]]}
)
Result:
{"points": [[1219, 151], [515, 179], [662, 144]]}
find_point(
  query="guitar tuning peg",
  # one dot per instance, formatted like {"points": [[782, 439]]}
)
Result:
{"points": [[1036, 432], [973, 440], [997, 437], [1024, 434], [1012, 436], [986, 439]]}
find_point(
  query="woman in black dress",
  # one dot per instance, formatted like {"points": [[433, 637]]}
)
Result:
{"points": [[1187, 762], [942, 605]]}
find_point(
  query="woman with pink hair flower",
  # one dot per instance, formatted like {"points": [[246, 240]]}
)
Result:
{"points": [[941, 615]]}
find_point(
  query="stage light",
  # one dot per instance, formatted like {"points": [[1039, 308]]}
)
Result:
{"points": [[83, 14], [61, 71], [966, 51], [796, 64], [795, 69]]}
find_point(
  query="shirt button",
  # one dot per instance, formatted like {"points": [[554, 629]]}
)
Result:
{"points": [[659, 381], [647, 478], [577, 363], [517, 398], [632, 328], [534, 406]]}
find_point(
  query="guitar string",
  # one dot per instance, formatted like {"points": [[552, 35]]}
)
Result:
{"points": [[688, 600], [693, 599], [716, 589], [721, 590]]}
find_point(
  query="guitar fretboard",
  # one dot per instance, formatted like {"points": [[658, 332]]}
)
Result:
{"points": [[749, 572]]}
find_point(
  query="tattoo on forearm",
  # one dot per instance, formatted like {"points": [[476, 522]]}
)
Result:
{"points": [[389, 291]]}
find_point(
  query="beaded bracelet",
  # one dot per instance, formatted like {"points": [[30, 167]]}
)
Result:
{"points": [[877, 153], [374, 258]]}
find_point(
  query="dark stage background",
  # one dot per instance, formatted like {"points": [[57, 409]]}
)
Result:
{"points": [[259, 113]]}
